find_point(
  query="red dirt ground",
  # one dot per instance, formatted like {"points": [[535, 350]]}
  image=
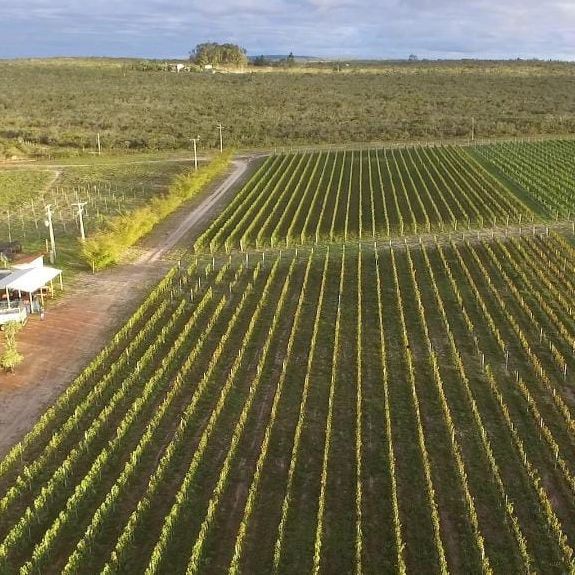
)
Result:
{"points": [[79, 324], [57, 348]]}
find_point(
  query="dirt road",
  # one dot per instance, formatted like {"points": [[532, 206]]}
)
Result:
{"points": [[77, 325], [196, 215]]}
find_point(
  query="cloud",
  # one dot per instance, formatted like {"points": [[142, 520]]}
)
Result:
{"points": [[361, 28]]}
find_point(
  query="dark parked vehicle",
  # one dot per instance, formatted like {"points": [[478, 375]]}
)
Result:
{"points": [[8, 249]]}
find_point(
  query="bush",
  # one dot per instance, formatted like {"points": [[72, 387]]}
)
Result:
{"points": [[10, 358], [121, 232]]}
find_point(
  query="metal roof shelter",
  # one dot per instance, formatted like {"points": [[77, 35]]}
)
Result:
{"points": [[30, 280], [8, 277]]}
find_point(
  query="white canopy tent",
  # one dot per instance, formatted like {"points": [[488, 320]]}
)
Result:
{"points": [[30, 280]]}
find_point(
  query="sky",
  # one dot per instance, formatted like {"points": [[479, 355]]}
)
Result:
{"points": [[331, 29]]}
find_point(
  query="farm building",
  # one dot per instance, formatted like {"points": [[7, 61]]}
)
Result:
{"points": [[27, 283]]}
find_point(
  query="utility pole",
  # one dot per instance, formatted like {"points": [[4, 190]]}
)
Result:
{"points": [[195, 140], [99, 145], [81, 218], [9, 226], [472, 128], [49, 213], [220, 128]]}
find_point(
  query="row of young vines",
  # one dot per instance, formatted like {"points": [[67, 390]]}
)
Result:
{"points": [[335, 196], [543, 170]]}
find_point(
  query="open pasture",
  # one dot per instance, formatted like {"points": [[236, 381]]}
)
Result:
{"points": [[16, 185]]}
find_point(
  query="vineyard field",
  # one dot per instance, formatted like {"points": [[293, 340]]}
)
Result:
{"points": [[543, 170], [326, 409], [329, 196], [105, 189]]}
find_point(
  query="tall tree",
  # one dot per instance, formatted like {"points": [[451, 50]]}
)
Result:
{"points": [[219, 54]]}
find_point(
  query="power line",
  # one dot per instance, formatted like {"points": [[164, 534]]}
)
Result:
{"points": [[80, 216], [49, 214]]}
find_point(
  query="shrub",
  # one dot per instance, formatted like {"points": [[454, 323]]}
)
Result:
{"points": [[121, 232]]}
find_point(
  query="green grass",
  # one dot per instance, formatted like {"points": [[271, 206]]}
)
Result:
{"points": [[18, 187]]}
